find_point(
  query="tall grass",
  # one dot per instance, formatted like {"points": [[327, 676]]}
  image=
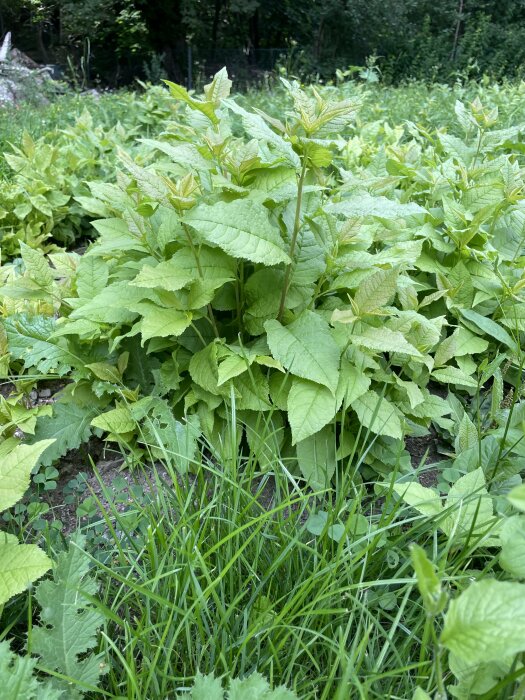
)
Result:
{"points": [[220, 572]]}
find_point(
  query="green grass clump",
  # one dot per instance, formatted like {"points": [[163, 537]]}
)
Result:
{"points": [[269, 310]]}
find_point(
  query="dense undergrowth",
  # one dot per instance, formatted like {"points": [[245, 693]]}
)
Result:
{"points": [[282, 291]]}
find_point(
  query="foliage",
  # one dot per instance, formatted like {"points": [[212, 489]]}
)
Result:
{"points": [[46, 197], [66, 637], [254, 685], [271, 307], [18, 679], [69, 621], [261, 266], [21, 564], [413, 38]]}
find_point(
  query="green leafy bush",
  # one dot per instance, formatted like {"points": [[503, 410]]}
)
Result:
{"points": [[247, 267], [45, 200], [483, 628]]}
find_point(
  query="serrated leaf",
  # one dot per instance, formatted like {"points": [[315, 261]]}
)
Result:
{"points": [[517, 497], [376, 291], [92, 277], [384, 340], [486, 622], [467, 436], [151, 184], [242, 228], [381, 207], [115, 237], [316, 458], [231, 367], [30, 340], [352, 384], [15, 471], [36, 265], [470, 506], [310, 407], [258, 129], [186, 154], [68, 427], [21, 564], [158, 322], [306, 348], [512, 537], [423, 499], [105, 371], [19, 681], [378, 415], [453, 375], [182, 269], [488, 326], [69, 622], [253, 687], [117, 421], [180, 93]]}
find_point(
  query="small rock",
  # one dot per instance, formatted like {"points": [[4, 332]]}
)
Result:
{"points": [[33, 395], [44, 393]]}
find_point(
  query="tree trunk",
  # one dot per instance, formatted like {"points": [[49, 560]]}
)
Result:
{"points": [[40, 43], [215, 27], [456, 33]]}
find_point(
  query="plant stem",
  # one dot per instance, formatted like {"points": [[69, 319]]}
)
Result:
{"points": [[201, 275], [441, 691], [239, 297], [296, 227]]}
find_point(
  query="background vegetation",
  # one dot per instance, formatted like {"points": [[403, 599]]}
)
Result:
{"points": [[115, 40], [262, 407]]}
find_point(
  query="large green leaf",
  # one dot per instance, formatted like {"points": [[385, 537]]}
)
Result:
{"points": [[67, 635], [19, 682], [471, 511], [425, 500], [384, 340], [512, 537], [486, 622], [310, 407], [377, 290], [66, 429], [378, 415], [316, 458], [242, 228], [306, 348], [182, 269], [117, 421], [158, 322], [488, 326], [453, 375], [20, 565], [381, 207], [30, 340], [15, 471]]}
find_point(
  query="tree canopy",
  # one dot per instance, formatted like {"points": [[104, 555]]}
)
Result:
{"points": [[120, 39]]}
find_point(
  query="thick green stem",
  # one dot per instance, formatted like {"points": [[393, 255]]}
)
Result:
{"points": [[295, 232]]}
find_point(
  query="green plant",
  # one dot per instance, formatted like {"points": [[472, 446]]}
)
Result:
{"points": [[262, 270], [20, 564], [19, 681], [64, 640], [254, 685]]}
